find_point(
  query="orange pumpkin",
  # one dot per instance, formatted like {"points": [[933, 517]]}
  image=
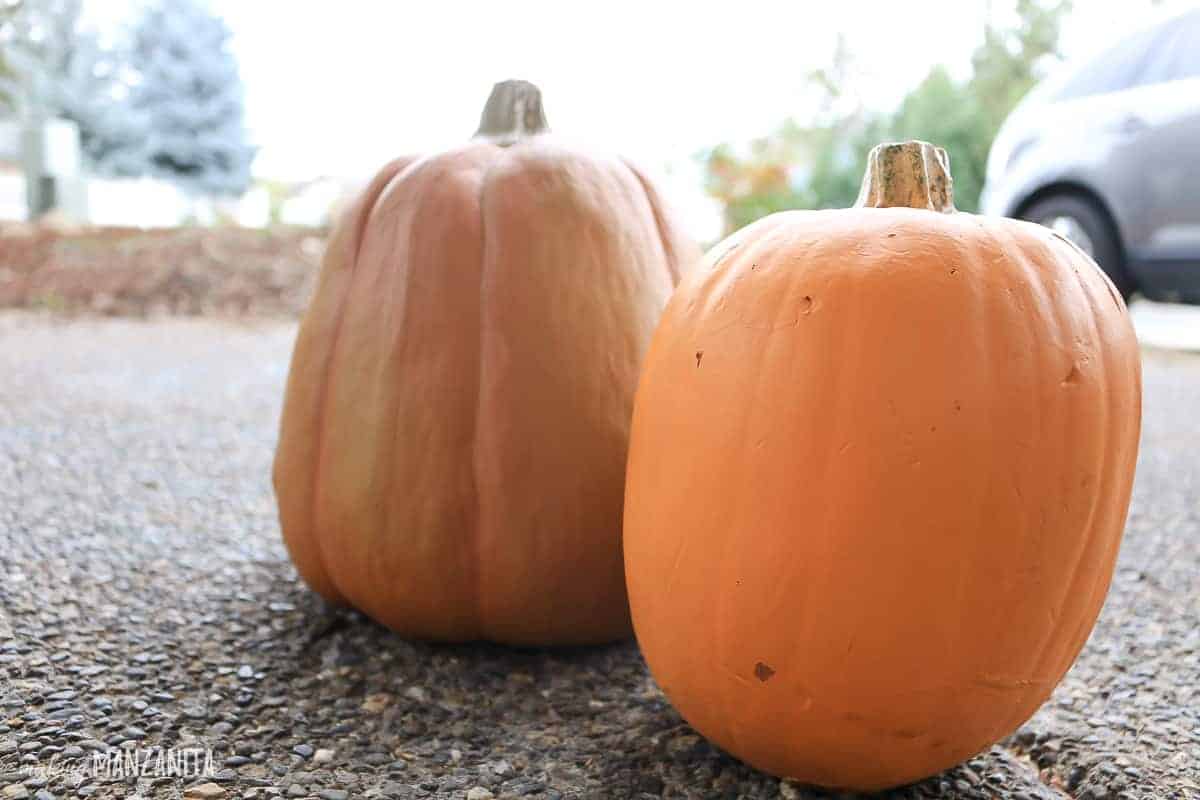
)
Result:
{"points": [[453, 444], [880, 466]]}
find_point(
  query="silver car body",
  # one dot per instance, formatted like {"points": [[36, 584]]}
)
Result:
{"points": [[1123, 131]]}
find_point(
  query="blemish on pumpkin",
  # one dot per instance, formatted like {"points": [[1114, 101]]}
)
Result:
{"points": [[806, 304], [906, 733], [891, 236], [933, 428], [699, 355], [954, 270], [763, 672], [957, 406], [1072, 376]]}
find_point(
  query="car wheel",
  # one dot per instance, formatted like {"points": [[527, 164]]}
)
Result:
{"points": [[1080, 221]]}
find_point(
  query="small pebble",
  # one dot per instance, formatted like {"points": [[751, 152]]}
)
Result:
{"points": [[205, 791]]}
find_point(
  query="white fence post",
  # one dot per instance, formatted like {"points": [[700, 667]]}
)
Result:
{"points": [[49, 153]]}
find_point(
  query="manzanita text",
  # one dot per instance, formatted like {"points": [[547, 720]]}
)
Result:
{"points": [[188, 762]]}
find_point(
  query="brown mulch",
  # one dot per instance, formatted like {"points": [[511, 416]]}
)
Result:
{"points": [[222, 271]]}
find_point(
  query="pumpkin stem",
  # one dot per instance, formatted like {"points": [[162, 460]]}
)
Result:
{"points": [[513, 112], [911, 174]]}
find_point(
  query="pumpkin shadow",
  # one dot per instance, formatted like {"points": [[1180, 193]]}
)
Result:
{"points": [[579, 721]]}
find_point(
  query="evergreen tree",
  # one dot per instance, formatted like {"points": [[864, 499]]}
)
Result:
{"points": [[94, 93], [190, 94]]}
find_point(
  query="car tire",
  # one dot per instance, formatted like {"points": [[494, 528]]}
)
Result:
{"points": [[1071, 210]]}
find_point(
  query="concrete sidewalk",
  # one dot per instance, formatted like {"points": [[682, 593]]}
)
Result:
{"points": [[145, 599], [1167, 326]]}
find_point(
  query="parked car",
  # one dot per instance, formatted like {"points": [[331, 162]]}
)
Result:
{"points": [[1108, 154]]}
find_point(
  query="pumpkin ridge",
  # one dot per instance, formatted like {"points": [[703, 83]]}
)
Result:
{"points": [[1016, 247], [327, 381], [371, 197], [481, 622], [1045, 653], [1014, 259], [377, 278], [725, 651], [846, 366], [983, 319], [1100, 501], [992, 319], [1103, 492], [398, 283]]}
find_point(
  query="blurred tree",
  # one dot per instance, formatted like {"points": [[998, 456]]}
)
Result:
{"points": [[820, 165], [37, 38], [191, 95], [753, 185], [843, 132], [965, 117], [95, 93], [52, 66], [799, 166], [8, 9], [946, 112], [1011, 60]]}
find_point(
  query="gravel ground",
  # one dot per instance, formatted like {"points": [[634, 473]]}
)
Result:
{"points": [[146, 601]]}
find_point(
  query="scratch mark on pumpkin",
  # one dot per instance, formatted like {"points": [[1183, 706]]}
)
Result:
{"points": [[907, 733], [675, 563], [739, 679]]}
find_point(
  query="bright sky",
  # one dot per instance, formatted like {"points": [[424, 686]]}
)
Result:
{"points": [[339, 88]]}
